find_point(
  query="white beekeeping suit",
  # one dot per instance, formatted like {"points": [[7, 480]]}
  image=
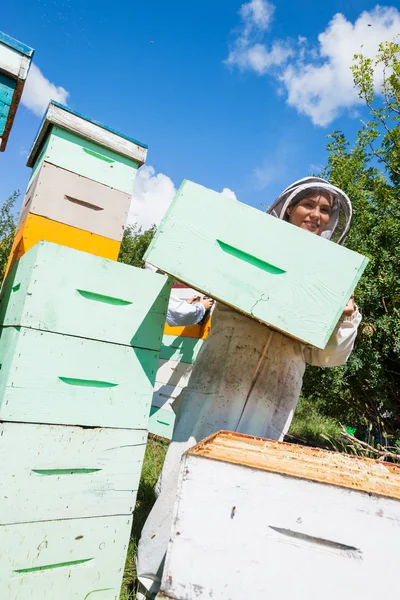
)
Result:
{"points": [[247, 378]]}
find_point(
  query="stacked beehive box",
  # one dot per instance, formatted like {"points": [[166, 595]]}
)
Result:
{"points": [[15, 60], [260, 519], [179, 349], [79, 347], [261, 266], [80, 189]]}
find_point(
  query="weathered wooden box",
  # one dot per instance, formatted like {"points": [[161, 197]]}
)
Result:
{"points": [[71, 559], [69, 140], [55, 472], [266, 268], [74, 200], [58, 289], [15, 60], [64, 379], [38, 229], [255, 518]]}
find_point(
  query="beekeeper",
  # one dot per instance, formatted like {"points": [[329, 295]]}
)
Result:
{"points": [[248, 377], [181, 313]]}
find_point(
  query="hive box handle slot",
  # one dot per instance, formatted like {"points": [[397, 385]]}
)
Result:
{"points": [[250, 259], [83, 203]]}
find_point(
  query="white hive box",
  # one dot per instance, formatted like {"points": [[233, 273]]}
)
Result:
{"points": [[260, 519]]}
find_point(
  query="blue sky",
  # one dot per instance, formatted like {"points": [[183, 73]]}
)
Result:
{"points": [[229, 94]]}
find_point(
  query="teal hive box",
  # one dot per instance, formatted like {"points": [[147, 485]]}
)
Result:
{"points": [[68, 472], [63, 379], [73, 142], [279, 274], [15, 60], [62, 290]]}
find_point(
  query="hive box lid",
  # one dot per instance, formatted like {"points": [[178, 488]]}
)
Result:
{"points": [[279, 274], [353, 472], [64, 117]]}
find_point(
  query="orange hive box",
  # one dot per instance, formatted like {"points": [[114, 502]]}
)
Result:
{"points": [[35, 229]]}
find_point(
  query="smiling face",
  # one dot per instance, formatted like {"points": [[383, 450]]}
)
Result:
{"points": [[311, 213]]}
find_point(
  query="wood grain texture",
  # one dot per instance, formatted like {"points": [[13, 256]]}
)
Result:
{"points": [[353, 472], [173, 373], [52, 378], [84, 157], [58, 289], [74, 200], [161, 422], [231, 519], [264, 267], [36, 229], [75, 559], [68, 472], [66, 119], [180, 348]]}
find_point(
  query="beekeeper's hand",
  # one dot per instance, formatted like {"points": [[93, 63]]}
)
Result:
{"points": [[350, 308]]}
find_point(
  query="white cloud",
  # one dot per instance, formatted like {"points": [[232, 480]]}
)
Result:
{"points": [[322, 88], [151, 197], [229, 193], [247, 52], [38, 92], [316, 80]]}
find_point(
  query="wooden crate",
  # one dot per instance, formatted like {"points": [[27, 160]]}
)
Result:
{"points": [[180, 348], [252, 516], [78, 144], [164, 394], [72, 559], [74, 200], [37, 229], [173, 372], [161, 422], [15, 60], [264, 267], [55, 472], [62, 379], [58, 289]]}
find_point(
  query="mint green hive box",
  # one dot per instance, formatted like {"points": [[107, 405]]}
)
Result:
{"points": [[276, 273], [62, 290], [69, 140]]}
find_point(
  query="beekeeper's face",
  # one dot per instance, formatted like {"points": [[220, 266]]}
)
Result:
{"points": [[312, 212]]}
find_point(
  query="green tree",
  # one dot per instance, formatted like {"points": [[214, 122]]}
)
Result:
{"points": [[7, 231], [367, 390], [134, 244]]}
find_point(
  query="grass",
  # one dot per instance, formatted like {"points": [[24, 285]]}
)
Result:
{"points": [[152, 465], [311, 427]]}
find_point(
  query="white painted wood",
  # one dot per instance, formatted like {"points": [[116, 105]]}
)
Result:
{"points": [[165, 394], [66, 197], [52, 472], [241, 532], [66, 119], [11, 62], [101, 542], [173, 372]]}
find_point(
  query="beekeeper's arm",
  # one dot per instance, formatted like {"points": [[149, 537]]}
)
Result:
{"points": [[181, 313], [341, 342]]}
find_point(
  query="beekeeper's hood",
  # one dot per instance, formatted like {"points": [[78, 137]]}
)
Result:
{"points": [[340, 218]]}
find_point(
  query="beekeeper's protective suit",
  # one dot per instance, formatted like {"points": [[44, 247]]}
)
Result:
{"points": [[246, 378], [180, 313]]}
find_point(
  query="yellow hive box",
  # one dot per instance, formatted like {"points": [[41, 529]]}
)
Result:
{"points": [[36, 228]]}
